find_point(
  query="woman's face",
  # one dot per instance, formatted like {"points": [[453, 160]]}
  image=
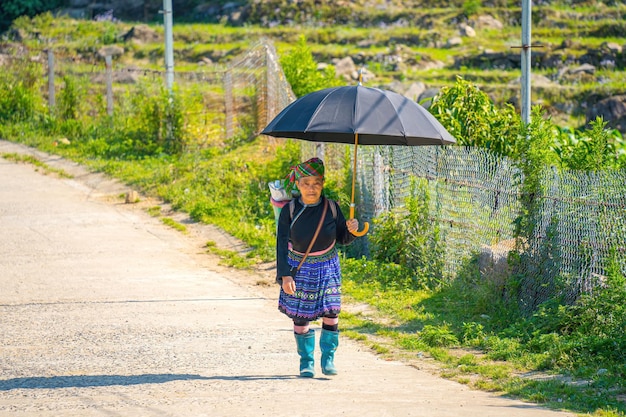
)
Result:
{"points": [[310, 189]]}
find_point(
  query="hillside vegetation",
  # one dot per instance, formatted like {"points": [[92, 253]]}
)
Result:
{"points": [[399, 42], [564, 355]]}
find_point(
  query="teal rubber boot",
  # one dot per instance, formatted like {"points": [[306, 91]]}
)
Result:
{"points": [[328, 344], [306, 346]]}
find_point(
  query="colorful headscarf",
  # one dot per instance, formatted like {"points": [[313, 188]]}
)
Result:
{"points": [[313, 167]]}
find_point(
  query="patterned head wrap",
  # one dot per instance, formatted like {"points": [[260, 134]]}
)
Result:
{"points": [[314, 167]]}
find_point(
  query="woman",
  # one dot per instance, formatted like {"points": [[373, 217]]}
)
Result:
{"points": [[316, 289]]}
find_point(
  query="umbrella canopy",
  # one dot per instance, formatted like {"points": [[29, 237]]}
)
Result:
{"points": [[358, 115], [379, 117]]}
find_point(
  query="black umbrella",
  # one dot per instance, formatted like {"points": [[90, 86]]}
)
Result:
{"points": [[358, 115]]}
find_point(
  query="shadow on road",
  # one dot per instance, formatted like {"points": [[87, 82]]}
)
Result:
{"points": [[173, 300], [83, 381]]}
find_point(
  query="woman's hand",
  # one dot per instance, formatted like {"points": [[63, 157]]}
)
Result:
{"points": [[289, 285], [353, 225]]}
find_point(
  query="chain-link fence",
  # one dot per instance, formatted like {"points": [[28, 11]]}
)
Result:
{"points": [[579, 232], [475, 197]]}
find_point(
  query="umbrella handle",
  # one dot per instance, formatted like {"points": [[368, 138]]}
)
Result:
{"points": [[366, 225]]}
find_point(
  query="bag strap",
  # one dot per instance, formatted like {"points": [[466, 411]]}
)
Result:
{"points": [[317, 232], [333, 208]]}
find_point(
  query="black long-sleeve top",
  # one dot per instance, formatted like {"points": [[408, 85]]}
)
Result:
{"points": [[303, 229]]}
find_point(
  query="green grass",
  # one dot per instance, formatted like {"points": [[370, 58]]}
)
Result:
{"points": [[229, 257], [41, 166], [472, 347], [154, 211], [174, 224], [478, 371]]}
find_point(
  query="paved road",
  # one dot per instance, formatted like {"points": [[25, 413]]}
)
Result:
{"points": [[106, 312]]}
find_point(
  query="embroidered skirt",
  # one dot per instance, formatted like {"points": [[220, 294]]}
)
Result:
{"points": [[318, 287]]}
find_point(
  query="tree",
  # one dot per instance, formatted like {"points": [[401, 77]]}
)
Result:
{"points": [[12, 9], [301, 70], [474, 120]]}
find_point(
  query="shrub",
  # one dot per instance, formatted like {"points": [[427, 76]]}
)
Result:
{"points": [[594, 149], [410, 238], [473, 119], [19, 95], [438, 336], [301, 71]]}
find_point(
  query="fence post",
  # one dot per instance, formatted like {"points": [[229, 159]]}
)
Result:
{"points": [[109, 80], [228, 103], [262, 94], [51, 98]]}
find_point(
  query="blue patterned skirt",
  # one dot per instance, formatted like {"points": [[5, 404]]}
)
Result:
{"points": [[318, 287]]}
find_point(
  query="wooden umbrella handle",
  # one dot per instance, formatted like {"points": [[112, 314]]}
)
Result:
{"points": [[366, 225]]}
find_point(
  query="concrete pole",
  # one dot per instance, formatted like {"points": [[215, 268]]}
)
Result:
{"points": [[169, 44], [51, 98], [109, 80], [526, 47]]}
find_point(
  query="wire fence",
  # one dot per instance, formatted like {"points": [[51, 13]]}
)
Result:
{"points": [[235, 99], [580, 229]]}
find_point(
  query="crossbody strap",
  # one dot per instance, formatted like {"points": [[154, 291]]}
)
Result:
{"points": [[317, 232]]}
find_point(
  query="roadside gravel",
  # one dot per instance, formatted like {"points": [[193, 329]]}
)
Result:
{"points": [[104, 311]]}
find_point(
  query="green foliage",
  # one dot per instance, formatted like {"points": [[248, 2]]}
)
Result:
{"points": [[301, 70], [472, 117], [384, 275], [533, 148], [12, 9], [152, 123], [19, 95], [229, 257], [595, 149], [155, 125], [410, 239], [471, 7], [474, 120], [531, 264], [583, 337], [168, 221], [68, 100], [473, 334], [502, 348], [438, 336]]}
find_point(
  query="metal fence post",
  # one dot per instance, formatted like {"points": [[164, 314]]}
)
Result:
{"points": [[526, 56]]}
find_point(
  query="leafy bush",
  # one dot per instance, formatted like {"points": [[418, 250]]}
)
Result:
{"points": [[410, 239], [474, 120], [438, 336], [68, 99], [150, 124], [589, 334], [471, 7], [594, 149], [471, 116], [384, 275], [301, 70], [19, 96]]}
